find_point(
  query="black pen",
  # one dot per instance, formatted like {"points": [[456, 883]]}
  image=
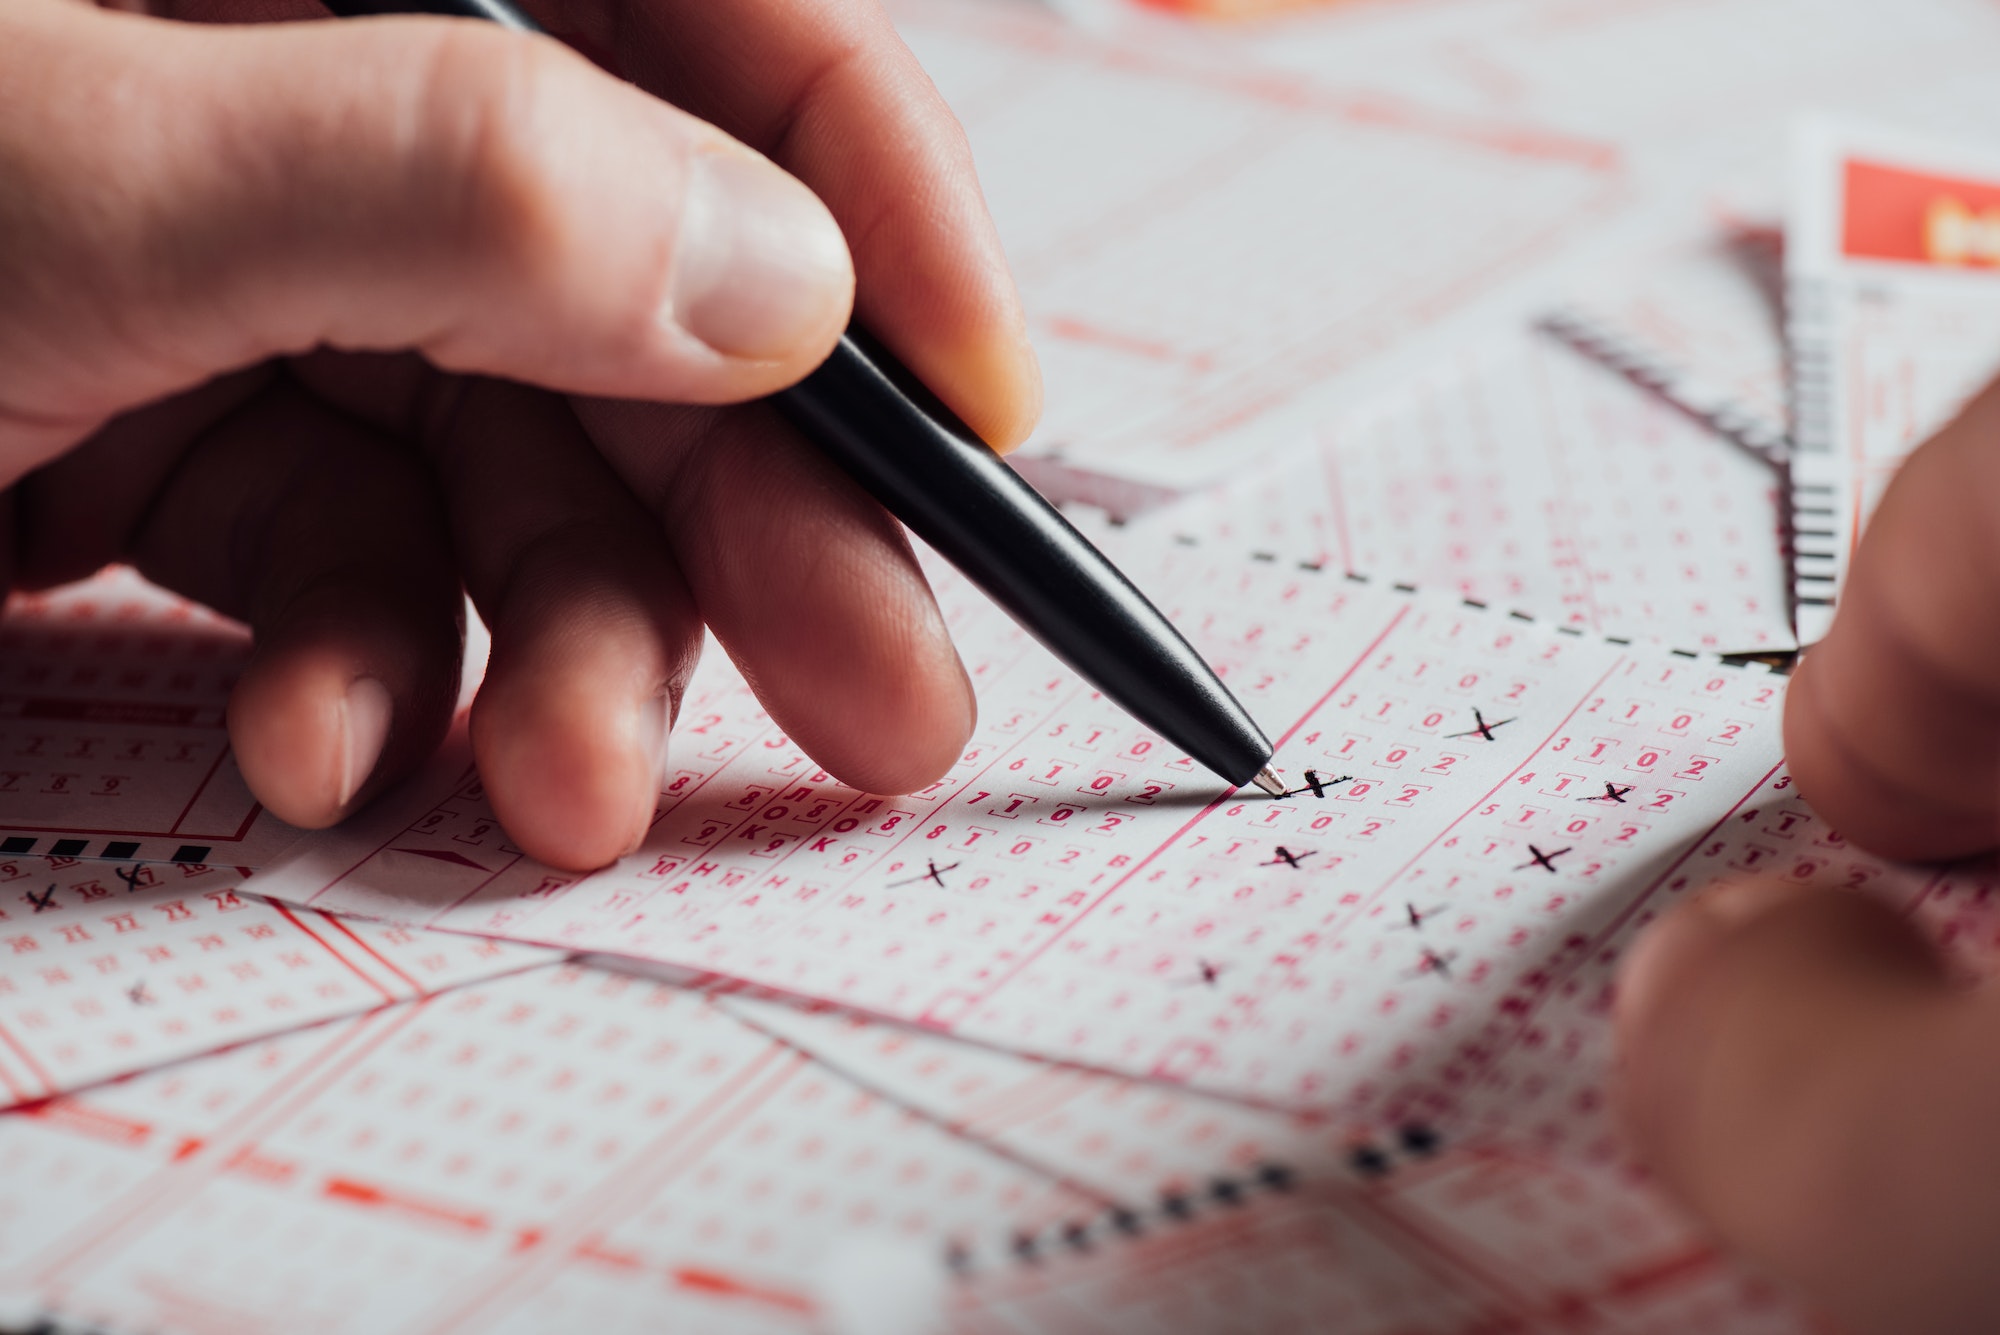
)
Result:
{"points": [[927, 468]]}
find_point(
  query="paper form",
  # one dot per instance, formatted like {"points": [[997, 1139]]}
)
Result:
{"points": [[1203, 241], [1276, 1217], [1526, 476], [113, 740], [1220, 233], [113, 734], [1660, 80], [1475, 793], [1698, 321], [106, 969], [1131, 1139], [570, 1149], [560, 1150], [1894, 323], [1437, 1246]]}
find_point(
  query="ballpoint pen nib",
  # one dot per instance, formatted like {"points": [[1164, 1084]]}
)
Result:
{"points": [[1267, 779]]}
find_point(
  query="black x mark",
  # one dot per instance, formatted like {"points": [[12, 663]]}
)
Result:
{"points": [[1480, 727], [1208, 975], [935, 873], [1417, 915], [1319, 785], [131, 877], [1612, 793], [140, 996], [1286, 856], [44, 901], [1538, 858], [1440, 965]]}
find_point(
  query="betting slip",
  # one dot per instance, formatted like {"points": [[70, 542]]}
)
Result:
{"points": [[563, 1149], [107, 969], [114, 742], [1893, 277], [1434, 1246], [575, 1149], [1475, 796], [1223, 233], [1699, 320], [1528, 477]]}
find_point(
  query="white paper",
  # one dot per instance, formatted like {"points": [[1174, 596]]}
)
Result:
{"points": [[113, 741], [560, 1150], [1885, 350], [1490, 791], [107, 969], [1530, 478]]}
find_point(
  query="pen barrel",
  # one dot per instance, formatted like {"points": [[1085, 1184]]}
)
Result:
{"points": [[502, 12], [951, 489]]}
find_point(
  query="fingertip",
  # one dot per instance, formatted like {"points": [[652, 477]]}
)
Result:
{"points": [[971, 348], [1002, 391], [1757, 1000], [573, 777], [1844, 781], [907, 734], [859, 668], [308, 731], [1666, 951]]}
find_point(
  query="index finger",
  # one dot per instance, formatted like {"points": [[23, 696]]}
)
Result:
{"points": [[828, 90]]}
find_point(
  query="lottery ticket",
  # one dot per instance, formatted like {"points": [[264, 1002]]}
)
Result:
{"points": [[1525, 476], [1893, 275], [1205, 243], [1231, 1217], [574, 1149], [113, 735], [1475, 797], [1699, 321], [1222, 233], [564, 1149], [1429, 1245], [106, 969], [113, 739]]}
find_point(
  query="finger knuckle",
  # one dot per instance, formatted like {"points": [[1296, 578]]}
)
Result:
{"points": [[493, 160]]}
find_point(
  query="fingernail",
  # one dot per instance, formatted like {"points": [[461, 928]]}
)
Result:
{"points": [[649, 730], [760, 265], [364, 727]]}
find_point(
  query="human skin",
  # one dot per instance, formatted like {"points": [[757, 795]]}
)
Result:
{"points": [[312, 321], [1797, 1065]]}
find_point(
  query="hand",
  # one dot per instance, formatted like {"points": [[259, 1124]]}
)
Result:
{"points": [[271, 298], [1798, 1066]]}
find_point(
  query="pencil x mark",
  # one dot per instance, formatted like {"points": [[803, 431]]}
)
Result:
{"points": [[934, 873], [130, 876], [140, 996], [1286, 856], [44, 901], [1613, 792], [1480, 727], [1538, 858], [1319, 785]]}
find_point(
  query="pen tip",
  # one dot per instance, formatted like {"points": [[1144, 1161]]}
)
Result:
{"points": [[1267, 779]]}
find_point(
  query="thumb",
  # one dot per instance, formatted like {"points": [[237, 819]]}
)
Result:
{"points": [[191, 199], [1797, 1067]]}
